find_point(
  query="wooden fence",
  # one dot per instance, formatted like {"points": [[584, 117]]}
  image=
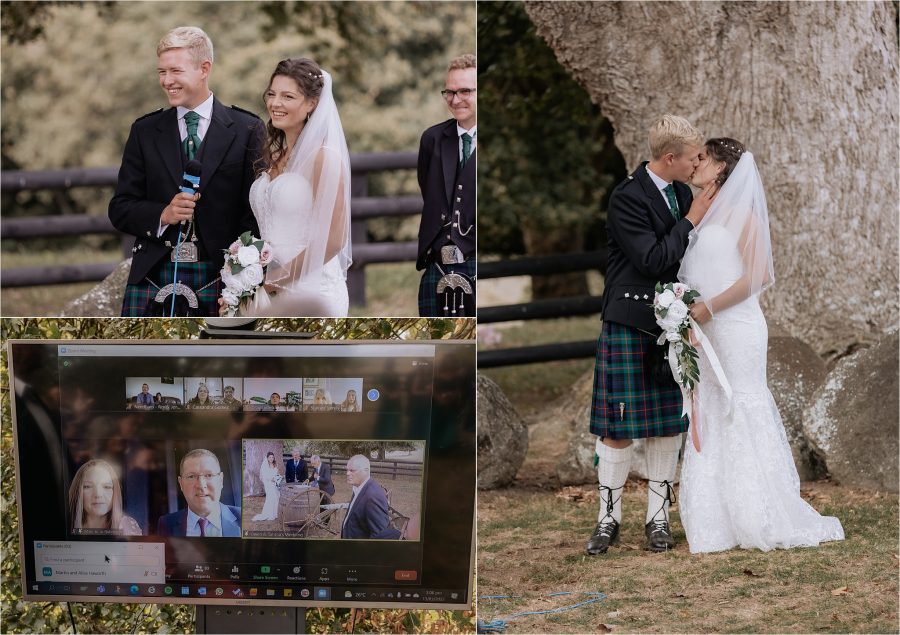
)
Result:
{"points": [[363, 208]]}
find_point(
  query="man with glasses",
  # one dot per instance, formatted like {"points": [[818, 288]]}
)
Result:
{"points": [[446, 172], [201, 478]]}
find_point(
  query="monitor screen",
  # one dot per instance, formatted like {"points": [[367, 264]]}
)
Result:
{"points": [[234, 472]]}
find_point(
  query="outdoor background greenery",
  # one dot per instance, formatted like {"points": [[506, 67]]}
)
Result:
{"points": [[52, 617]]}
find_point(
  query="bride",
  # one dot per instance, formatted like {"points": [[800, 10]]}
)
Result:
{"points": [[301, 197], [740, 488], [268, 474]]}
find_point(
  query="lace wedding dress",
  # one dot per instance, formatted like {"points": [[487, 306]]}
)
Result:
{"points": [[267, 475], [741, 489], [277, 204]]}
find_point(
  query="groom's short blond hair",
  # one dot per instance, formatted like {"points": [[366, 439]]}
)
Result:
{"points": [[192, 38], [671, 133]]}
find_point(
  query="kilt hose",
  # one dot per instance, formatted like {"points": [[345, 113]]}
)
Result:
{"points": [[628, 403], [201, 277], [430, 305]]}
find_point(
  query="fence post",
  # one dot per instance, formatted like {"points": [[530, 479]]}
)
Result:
{"points": [[356, 277]]}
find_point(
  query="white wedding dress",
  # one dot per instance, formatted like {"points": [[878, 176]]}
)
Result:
{"points": [[267, 475], [278, 205], [741, 489]]}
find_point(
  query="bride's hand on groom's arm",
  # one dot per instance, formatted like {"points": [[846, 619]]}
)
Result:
{"points": [[701, 203]]}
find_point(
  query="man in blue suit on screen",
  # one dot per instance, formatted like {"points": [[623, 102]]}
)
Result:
{"points": [[201, 478], [367, 516]]}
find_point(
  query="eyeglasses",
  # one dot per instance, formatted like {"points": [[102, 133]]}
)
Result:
{"points": [[462, 93], [193, 478]]}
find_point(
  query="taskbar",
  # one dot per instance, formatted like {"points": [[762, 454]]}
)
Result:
{"points": [[245, 592]]}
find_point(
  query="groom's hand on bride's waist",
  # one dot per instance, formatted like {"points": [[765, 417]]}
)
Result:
{"points": [[180, 209]]}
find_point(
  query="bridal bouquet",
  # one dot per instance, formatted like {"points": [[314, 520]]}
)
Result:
{"points": [[242, 272], [670, 306]]}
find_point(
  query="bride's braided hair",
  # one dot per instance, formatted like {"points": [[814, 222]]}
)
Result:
{"points": [[310, 80], [725, 150]]}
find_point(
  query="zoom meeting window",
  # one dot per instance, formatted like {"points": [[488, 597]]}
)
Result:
{"points": [[204, 472]]}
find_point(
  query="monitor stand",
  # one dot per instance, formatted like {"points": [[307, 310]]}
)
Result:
{"points": [[216, 618]]}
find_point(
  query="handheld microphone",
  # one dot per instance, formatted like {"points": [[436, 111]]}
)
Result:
{"points": [[190, 180]]}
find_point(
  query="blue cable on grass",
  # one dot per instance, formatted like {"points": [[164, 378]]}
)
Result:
{"points": [[499, 625]]}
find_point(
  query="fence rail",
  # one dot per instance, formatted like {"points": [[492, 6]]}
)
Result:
{"points": [[363, 208], [541, 309]]}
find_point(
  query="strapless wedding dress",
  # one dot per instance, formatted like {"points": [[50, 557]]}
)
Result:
{"points": [[278, 205], [742, 488]]}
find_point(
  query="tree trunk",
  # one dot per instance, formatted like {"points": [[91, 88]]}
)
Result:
{"points": [[253, 457], [541, 240], [810, 88]]}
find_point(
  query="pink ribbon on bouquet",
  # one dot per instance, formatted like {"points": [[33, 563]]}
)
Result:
{"points": [[690, 406]]}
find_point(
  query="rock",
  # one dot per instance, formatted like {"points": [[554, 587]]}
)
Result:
{"points": [[502, 436], [852, 421], [104, 300], [795, 372]]}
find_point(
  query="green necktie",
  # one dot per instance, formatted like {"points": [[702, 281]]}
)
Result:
{"points": [[673, 204], [467, 149], [191, 141]]}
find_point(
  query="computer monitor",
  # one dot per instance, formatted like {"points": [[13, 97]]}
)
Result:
{"points": [[235, 472]]}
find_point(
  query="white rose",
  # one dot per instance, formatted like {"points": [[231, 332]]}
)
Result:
{"points": [[678, 310], [669, 323], [666, 298], [679, 289], [230, 281], [679, 347], [251, 276], [673, 336], [248, 256], [230, 298]]}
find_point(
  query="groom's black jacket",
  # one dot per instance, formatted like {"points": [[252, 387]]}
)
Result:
{"points": [[645, 247], [151, 173]]}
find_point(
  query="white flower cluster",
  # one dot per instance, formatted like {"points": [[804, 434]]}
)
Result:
{"points": [[670, 307], [243, 272]]}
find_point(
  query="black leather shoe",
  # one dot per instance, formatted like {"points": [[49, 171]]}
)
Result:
{"points": [[659, 536], [605, 534]]}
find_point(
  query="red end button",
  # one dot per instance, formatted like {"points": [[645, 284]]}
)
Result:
{"points": [[405, 575]]}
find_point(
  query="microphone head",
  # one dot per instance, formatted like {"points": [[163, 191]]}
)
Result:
{"points": [[193, 168]]}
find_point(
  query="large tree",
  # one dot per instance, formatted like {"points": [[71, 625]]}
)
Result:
{"points": [[812, 90]]}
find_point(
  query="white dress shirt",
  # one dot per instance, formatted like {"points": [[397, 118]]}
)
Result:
{"points": [[205, 112], [213, 527], [460, 131]]}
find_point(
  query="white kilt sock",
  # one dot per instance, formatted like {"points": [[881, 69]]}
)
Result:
{"points": [[612, 472], [662, 461]]}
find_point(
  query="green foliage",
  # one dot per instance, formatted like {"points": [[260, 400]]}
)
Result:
{"points": [[52, 617], [547, 159]]}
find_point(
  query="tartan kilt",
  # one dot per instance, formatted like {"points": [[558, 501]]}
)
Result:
{"points": [[201, 277], [623, 377], [429, 303]]}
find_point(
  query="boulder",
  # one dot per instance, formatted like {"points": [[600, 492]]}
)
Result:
{"points": [[852, 422], [502, 436], [795, 373], [104, 300]]}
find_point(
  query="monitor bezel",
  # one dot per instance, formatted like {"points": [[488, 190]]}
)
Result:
{"points": [[29, 596]]}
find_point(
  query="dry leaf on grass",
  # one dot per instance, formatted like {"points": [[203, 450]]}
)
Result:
{"points": [[751, 574], [571, 493], [840, 591], [614, 614], [603, 628]]}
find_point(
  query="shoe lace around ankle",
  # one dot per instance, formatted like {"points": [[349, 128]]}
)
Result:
{"points": [[659, 526]]}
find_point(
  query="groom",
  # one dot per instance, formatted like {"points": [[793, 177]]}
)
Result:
{"points": [[446, 172], [649, 218], [147, 203]]}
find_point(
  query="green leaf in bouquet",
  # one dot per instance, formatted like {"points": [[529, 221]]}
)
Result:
{"points": [[663, 312], [659, 287], [259, 244], [245, 238], [237, 267]]}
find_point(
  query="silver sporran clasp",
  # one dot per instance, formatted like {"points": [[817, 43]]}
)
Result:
{"points": [[185, 252]]}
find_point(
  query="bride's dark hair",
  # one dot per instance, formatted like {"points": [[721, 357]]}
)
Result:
{"points": [[725, 150], [310, 80]]}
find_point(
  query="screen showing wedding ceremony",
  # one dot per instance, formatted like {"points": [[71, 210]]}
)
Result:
{"points": [[273, 472]]}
